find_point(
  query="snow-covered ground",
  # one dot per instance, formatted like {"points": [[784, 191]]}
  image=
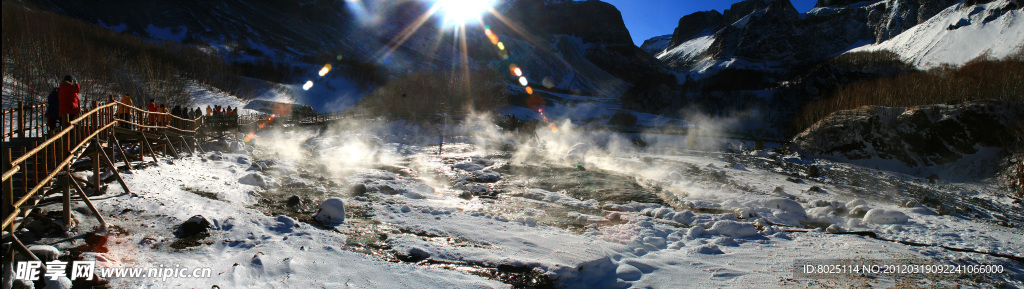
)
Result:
{"points": [[569, 208]]}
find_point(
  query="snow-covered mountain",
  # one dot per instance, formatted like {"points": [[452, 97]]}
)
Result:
{"points": [[771, 36], [960, 33]]}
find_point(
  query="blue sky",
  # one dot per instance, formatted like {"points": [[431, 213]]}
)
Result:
{"points": [[650, 18]]}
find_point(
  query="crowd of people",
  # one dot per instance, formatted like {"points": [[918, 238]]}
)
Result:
{"points": [[63, 103]]}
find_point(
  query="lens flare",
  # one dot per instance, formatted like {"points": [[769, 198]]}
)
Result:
{"points": [[514, 70], [501, 46], [325, 70], [522, 80], [459, 12], [308, 85], [529, 90], [491, 36]]}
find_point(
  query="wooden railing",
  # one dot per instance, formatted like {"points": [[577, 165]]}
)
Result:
{"points": [[24, 121], [35, 168]]}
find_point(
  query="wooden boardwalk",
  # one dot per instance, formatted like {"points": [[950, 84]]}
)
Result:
{"points": [[38, 161]]}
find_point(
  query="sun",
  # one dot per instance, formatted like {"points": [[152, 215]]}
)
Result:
{"points": [[460, 12]]}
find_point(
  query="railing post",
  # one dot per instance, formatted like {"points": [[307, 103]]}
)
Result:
{"points": [[21, 119], [66, 152], [8, 189], [96, 157]]}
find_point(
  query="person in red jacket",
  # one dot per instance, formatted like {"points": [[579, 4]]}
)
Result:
{"points": [[151, 107], [68, 98]]}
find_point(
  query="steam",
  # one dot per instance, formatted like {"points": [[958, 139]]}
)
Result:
{"points": [[352, 146]]}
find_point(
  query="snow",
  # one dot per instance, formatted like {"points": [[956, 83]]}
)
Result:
{"points": [[689, 50], [983, 29]]}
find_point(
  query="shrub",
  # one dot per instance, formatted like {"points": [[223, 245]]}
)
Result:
{"points": [[981, 78]]}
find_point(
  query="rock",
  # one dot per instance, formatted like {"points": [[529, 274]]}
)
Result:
{"points": [[358, 189], [294, 201], [413, 255], [331, 212], [486, 176], [469, 167], [194, 226]]}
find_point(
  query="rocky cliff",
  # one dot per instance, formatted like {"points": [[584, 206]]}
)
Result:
{"points": [[919, 137]]}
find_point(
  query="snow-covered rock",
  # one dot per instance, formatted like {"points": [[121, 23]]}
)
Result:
{"points": [[331, 212], [881, 216], [253, 179], [734, 229], [45, 253], [684, 217], [955, 141], [787, 206], [707, 249]]}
